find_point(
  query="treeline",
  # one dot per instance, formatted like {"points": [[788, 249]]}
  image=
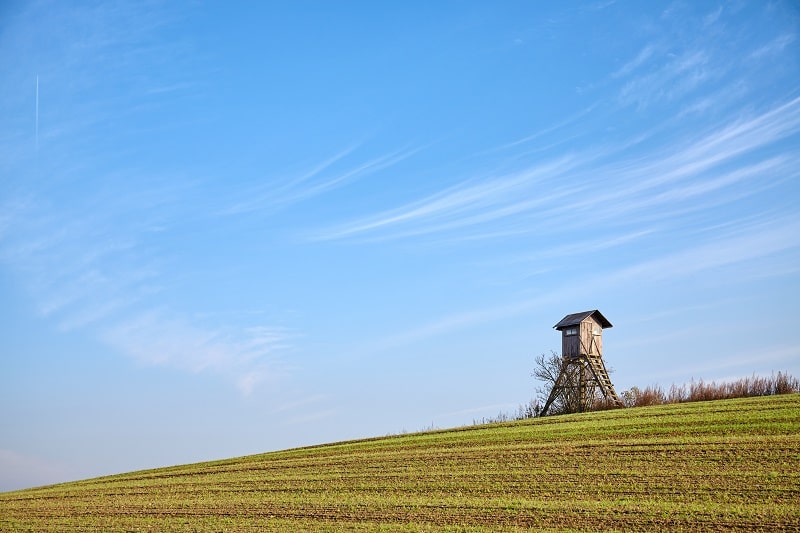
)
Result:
{"points": [[694, 391], [700, 391]]}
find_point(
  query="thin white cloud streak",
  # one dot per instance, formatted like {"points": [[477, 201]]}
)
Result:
{"points": [[644, 54], [78, 274], [112, 51], [757, 241], [369, 167], [455, 322], [593, 246], [746, 135], [751, 242], [712, 17], [92, 313], [87, 262], [546, 132], [91, 281], [274, 195], [94, 274], [101, 293], [667, 177], [681, 198], [775, 356], [775, 46], [661, 316], [464, 204], [584, 247], [696, 156], [319, 180], [249, 357], [675, 79]]}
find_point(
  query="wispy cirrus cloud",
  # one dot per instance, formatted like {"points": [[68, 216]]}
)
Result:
{"points": [[752, 241], [670, 81], [641, 58], [82, 219], [247, 357], [469, 203], [712, 17], [587, 246], [701, 169], [95, 274], [775, 46], [669, 68], [321, 178]]}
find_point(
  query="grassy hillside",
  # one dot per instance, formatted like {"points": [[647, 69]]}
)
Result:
{"points": [[731, 465]]}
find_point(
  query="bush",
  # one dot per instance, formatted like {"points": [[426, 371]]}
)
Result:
{"points": [[699, 391], [651, 395]]}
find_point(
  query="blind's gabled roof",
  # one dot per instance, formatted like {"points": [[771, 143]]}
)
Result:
{"points": [[577, 318]]}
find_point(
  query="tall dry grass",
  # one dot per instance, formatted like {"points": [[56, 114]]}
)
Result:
{"points": [[699, 391]]}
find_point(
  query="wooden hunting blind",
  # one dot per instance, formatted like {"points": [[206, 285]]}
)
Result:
{"points": [[583, 377]]}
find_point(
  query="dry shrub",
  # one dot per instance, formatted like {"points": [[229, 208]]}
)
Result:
{"points": [[651, 395], [604, 404], [677, 394], [786, 384], [699, 391]]}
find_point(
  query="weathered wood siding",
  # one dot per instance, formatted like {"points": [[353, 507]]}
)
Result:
{"points": [[591, 337], [570, 345], [598, 338], [588, 341]]}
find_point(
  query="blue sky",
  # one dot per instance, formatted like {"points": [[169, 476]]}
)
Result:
{"points": [[234, 228]]}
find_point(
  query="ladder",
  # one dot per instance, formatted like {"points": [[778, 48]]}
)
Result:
{"points": [[598, 368]]}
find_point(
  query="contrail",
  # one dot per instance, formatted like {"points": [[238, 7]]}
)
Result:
{"points": [[37, 112]]}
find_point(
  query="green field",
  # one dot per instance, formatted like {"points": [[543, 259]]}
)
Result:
{"points": [[731, 465]]}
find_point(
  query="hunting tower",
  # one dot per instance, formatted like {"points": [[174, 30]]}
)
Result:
{"points": [[583, 376]]}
